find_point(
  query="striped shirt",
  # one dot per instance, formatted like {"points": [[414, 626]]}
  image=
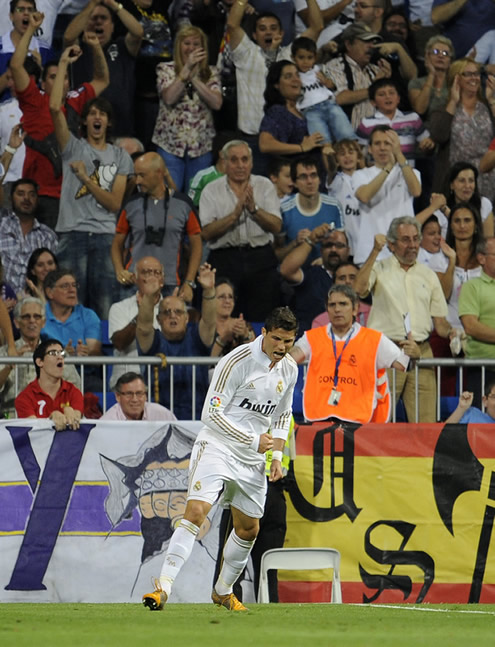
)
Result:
{"points": [[408, 126]]}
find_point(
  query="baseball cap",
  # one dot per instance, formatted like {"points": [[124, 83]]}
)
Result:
{"points": [[359, 30]]}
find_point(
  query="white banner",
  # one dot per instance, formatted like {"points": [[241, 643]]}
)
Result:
{"points": [[86, 515]]}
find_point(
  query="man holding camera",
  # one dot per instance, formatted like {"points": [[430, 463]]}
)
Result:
{"points": [[157, 220], [353, 72]]}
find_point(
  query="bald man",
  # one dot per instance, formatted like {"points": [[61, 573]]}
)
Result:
{"points": [[157, 219]]}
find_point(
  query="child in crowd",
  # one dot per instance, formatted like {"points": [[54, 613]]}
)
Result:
{"points": [[317, 102], [385, 96], [279, 174], [346, 158]]}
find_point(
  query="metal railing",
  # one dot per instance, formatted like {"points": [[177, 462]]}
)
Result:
{"points": [[151, 361]]}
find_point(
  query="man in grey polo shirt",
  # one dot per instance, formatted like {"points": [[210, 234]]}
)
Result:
{"points": [[157, 220]]}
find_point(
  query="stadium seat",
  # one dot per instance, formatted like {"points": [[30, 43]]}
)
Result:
{"points": [[300, 559]]}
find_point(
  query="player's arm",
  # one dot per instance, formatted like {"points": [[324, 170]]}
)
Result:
{"points": [[281, 426]]}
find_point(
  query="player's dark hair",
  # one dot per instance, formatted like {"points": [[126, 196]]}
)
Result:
{"points": [[281, 317], [40, 352]]}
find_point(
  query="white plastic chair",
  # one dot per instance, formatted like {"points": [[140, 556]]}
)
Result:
{"points": [[300, 559]]}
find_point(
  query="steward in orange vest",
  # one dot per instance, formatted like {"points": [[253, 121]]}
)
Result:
{"points": [[346, 376]]}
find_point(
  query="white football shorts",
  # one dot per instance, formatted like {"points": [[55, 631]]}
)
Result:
{"points": [[213, 472]]}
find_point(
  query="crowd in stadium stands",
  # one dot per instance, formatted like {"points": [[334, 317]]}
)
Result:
{"points": [[231, 156]]}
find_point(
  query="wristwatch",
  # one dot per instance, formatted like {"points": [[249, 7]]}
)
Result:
{"points": [[191, 284], [255, 210]]}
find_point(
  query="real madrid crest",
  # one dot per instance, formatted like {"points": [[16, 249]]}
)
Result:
{"points": [[280, 386]]}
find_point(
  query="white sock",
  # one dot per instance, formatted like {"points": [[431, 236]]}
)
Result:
{"points": [[179, 549], [235, 556]]}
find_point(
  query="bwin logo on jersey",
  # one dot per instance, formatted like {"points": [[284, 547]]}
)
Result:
{"points": [[265, 409]]}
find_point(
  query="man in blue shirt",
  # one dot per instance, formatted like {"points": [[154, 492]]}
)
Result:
{"points": [[77, 327], [466, 413], [308, 208], [178, 338]]}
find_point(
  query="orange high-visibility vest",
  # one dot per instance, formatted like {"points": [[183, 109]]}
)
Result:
{"points": [[364, 389]]}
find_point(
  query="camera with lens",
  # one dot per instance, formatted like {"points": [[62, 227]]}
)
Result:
{"points": [[154, 236]]}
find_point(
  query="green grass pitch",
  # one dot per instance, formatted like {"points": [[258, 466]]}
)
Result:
{"points": [[270, 625]]}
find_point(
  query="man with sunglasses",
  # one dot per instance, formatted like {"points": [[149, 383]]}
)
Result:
{"points": [[178, 338], [29, 318], [49, 395], [312, 282]]}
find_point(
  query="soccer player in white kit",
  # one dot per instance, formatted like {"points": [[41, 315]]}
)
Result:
{"points": [[247, 411]]}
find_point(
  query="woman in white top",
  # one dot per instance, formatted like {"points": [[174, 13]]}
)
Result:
{"points": [[464, 233]]}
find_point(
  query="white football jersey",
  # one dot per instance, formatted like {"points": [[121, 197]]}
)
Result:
{"points": [[246, 399]]}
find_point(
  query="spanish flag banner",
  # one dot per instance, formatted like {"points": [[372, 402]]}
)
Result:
{"points": [[411, 508]]}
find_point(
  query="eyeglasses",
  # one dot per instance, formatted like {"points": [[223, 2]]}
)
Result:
{"points": [[361, 5], [55, 353], [133, 394], [226, 296], [393, 24], [67, 286], [336, 245], [24, 9], [441, 52], [27, 317], [172, 311], [307, 176], [149, 272], [471, 75]]}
